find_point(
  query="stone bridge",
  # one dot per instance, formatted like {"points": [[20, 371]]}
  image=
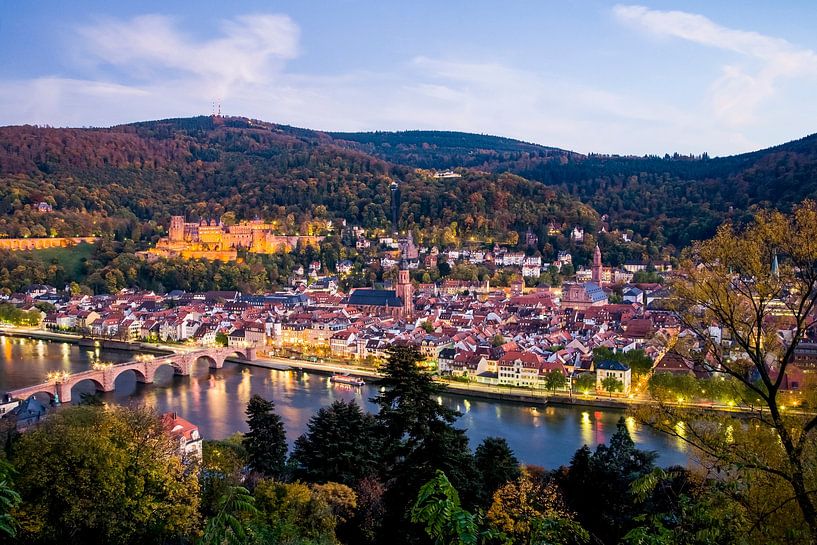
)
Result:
{"points": [[144, 368]]}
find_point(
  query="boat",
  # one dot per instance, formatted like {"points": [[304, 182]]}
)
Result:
{"points": [[347, 379]]}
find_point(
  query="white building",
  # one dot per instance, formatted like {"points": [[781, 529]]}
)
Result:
{"points": [[615, 369]]}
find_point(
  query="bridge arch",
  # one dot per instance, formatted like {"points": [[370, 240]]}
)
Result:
{"points": [[97, 383], [229, 353], [140, 376], [212, 361], [40, 395], [179, 368]]}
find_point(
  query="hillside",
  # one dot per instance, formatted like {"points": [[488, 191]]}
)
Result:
{"points": [[674, 199], [129, 179], [444, 149]]}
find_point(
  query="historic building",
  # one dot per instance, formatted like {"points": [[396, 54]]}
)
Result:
{"points": [[214, 240], [582, 296]]}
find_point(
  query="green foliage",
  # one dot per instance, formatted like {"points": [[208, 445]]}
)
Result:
{"points": [[496, 464], [9, 499], [598, 485], [227, 526], [94, 475], [558, 531], [584, 382], [555, 380], [221, 338], [292, 513], [611, 384], [408, 405], [418, 437], [636, 360], [446, 522], [341, 444], [265, 443], [674, 199], [700, 514], [13, 315], [686, 387]]}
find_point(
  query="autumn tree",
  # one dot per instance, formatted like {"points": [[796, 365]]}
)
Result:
{"points": [[757, 284], [534, 505], [103, 475]]}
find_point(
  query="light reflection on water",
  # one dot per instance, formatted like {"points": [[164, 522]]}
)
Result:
{"points": [[215, 400]]}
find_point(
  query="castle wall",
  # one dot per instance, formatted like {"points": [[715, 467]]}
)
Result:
{"points": [[25, 244]]}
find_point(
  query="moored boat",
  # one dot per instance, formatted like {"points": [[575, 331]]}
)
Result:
{"points": [[347, 379]]}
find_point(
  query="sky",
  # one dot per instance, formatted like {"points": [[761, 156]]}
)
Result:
{"points": [[591, 76]]}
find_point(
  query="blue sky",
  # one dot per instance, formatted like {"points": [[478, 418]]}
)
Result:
{"points": [[592, 76]]}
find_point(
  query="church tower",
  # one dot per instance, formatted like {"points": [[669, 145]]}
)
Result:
{"points": [[597, 266], [405, 290]]}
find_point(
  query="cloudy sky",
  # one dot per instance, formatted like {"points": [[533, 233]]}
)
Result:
{"points": [[592, 76]]}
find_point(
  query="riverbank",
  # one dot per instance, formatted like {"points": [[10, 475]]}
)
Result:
{"points": [[473, 390], [71, 338], [470, 389]]}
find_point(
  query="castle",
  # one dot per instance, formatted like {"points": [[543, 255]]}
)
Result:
{"points": [[214, 240]]}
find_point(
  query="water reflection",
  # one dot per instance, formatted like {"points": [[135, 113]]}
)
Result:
{"points": [[216, 400]]}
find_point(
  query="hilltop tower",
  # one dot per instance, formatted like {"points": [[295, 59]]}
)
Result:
{"points": [[176, 231], [597, 266]]}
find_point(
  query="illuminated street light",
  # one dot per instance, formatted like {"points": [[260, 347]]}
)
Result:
{"points": [[57, 376]]}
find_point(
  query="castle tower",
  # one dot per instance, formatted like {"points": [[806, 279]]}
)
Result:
{"points": [[176, 231], [597, 266]]}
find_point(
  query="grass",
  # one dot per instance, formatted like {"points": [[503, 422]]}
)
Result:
{"points": [[70, 258]]}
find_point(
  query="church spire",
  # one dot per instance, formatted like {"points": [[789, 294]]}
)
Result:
{"points": [[598, 267]]}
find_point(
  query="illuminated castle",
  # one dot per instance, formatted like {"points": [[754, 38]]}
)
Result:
{"points": [[214, 240]]}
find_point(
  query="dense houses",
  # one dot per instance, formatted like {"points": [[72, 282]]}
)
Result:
{"points": [[509, 336], [522, 335]]}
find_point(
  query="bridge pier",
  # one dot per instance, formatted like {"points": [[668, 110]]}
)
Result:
{"points": [[147, 375]]}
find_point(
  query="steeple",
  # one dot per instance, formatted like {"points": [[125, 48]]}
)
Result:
{"points": [[775, 267], [597, 266]]}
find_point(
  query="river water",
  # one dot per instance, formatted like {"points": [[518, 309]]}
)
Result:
{"points": [[215, 401]]}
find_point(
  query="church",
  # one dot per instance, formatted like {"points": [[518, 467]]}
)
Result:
{"points": [[398, 301]]}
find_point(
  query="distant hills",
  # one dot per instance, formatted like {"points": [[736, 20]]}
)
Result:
{"points": [[672, 198], [129, 179]]}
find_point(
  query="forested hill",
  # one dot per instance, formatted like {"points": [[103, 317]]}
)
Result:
{"points": [[129, 179], [672, 198], [445, 149]]}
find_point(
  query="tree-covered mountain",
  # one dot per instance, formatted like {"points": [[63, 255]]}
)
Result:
{"points": [[672, 199], [131, 178]]}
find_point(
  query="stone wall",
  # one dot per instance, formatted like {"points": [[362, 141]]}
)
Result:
{"points": [[24, 244]]}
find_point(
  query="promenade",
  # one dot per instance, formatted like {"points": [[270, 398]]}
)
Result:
{"points": [[470, 389]]}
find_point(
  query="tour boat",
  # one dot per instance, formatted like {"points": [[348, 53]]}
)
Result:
{"points": [[347, 379]]}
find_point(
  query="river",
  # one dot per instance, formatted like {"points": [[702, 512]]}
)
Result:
{"points": [[215, 400]]}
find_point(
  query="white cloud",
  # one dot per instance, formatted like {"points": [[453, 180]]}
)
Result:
{"points": [[250, 50], [148, 68], [740, 90]]}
